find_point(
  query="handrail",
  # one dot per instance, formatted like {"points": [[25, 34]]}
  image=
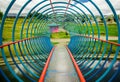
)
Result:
{"points": [[46, 66], [52, 6], [67, 6], [81, 77], [104, 40], [10, 43]]}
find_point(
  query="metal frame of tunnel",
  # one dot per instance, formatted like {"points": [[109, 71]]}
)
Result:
{"points": [[34, 46]]}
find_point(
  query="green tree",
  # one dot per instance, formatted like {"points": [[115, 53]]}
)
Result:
{"points": [[41, 16], [1, 14]]}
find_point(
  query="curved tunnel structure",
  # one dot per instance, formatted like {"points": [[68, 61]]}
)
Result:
{"points": [[28, 45]]}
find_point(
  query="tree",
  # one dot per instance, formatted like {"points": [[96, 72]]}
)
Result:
{"points": [[108, 19], [1, 14], [101, 19], [39, 15]]}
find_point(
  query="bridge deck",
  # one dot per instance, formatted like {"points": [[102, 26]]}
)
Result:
{"points": [[61, 68]]}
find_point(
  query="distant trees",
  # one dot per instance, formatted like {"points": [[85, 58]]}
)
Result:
{"points": [[109, 19], [68, 18], [39, 15], [1, 14], [101, 19]]}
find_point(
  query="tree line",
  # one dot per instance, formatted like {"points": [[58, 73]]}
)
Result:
{"points": [[1, 15], [39, 15]]}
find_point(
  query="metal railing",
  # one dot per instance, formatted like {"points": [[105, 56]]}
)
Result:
{"points": [[28, 41]]}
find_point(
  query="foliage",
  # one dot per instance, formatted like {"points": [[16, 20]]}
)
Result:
{"points": [[68, 18], [60, 35], [1, 14], [7, 33], [54, 43], [39, 15], [9, 24]]}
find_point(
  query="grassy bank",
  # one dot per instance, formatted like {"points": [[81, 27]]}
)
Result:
{"points": [[7, 31]]}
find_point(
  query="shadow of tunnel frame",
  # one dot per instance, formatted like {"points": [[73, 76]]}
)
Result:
{"points": [[31, 48]]}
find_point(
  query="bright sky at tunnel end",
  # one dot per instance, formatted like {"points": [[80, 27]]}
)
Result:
{"points": [[101, 4]]}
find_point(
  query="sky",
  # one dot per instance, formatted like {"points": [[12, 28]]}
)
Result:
{"points": [[100, 3]]}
